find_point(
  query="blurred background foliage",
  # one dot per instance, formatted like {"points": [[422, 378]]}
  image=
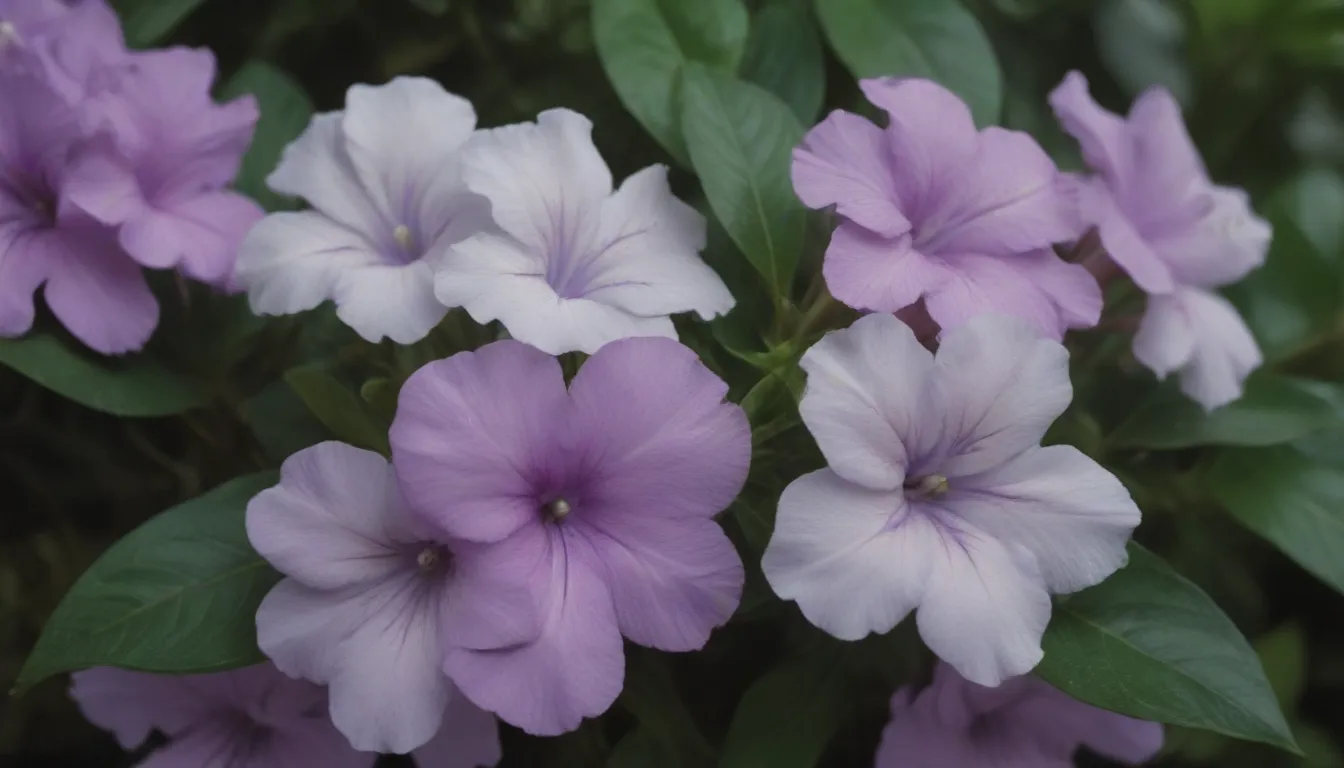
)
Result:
{"points": [[1262, 83]]}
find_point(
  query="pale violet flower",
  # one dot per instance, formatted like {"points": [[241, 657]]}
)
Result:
{"points": [[570, 264], [382, 178], [938, 496], [1176, 233]]}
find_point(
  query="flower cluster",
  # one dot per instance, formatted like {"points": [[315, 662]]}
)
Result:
{"points": [[110, 161]]}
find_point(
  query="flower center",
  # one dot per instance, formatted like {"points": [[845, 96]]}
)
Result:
{"points": [[428, 559], [402, 234], [928, 485], [9, 35], [558, 510]]}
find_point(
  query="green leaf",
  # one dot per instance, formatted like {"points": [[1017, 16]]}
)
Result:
{"points": [[136, 386], [641, 748], [146, 22], [788, 716], [285, 112], [643, 44], [436, 7], [1294, 502], [280, 421], [741, 138], [1273, 410], [341, 410], [784, 57], [177, 595], [652, 696], [1150, 644], [1283, 655], [936, 39]]}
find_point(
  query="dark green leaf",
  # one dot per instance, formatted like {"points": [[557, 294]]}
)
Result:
{"points": [[1142, 44], [788, 716], [137, 386], [1149, 644], [643, 44], [285, 112], [1273, 410], [148, 21], [1283, 654], [651, 695], [342, 411], [784, 57], [436, 7], [936, 39], [177, 595], [1294, 502], [280, 421], [642, 749], [741, 138]]}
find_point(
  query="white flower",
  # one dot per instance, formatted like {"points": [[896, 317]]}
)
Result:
{"points": [[572, 265], [383, 180], [939, 497]]}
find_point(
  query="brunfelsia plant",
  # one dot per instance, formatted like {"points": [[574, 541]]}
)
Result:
{"points": [[580, 421]]}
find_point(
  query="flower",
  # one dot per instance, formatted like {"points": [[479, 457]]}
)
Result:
{"points": [[382, 177], [932, 208], [938, 496], [161, 176], [572, 265], [73, 43], [1024, 722], [252, 716], [600, 499], [371, 599], [1178, 235], [91, 285]]}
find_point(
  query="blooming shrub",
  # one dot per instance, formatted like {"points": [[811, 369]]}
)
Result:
{"points": [[658, 420]]}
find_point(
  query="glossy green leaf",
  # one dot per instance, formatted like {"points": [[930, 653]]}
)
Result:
{"points": [[936, 39], [784, 57], [741, 138], [285, 112], [789, 715], [643, 44], [146, 22], [1150, 644], [136, 386], [1290, 500], [177, 595], [341, 410], [1272, 410]]}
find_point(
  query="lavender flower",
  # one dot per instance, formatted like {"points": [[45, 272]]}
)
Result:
{"points": [[931, 208], [938, 496], [383, 179], [1178, 235], [599, 500], [570, 265], [1023, 723], [372, 598]]}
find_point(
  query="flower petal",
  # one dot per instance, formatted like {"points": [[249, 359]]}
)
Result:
{"points": [[852, 558], [491, 602], [1225, 350], [494, 278], [469, 738], [674, 450], [392, 300], [575, 669], [1122, 241], [201, 234], [1061, 723], [1002, 387], [473, 434], [1102, 135], [1165, 341], [22, 271], [133, 704], [378, 648], [335, 520], [1222, 247], [648, 261], [291, 262], [877, 274], [844, 162], [865, 400], [317, 168], [545, 181], [1033, 286], [1062, 506], [913, 739], [985, 606], [1167, 181], [932, 139], [98, 293]]}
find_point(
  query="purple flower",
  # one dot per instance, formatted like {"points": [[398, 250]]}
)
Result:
{"points": [[938, 495], [254, 716], [372, 599], [92, 286], [1023, 723], [72, 43], [932, 208], [387, 196], [1178, 235], [161, 177], [600, 500], [571, 264]]}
